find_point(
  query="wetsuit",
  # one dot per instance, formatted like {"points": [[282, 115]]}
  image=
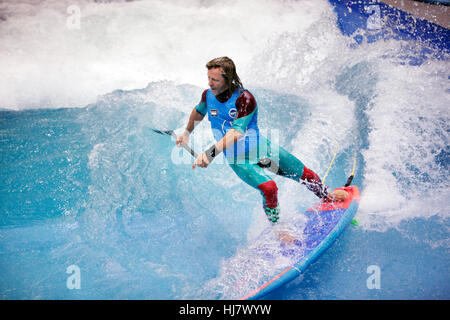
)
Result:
{"points": [[252, 153]]}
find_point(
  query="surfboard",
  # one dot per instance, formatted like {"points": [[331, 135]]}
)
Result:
{"points": [[324, 223]]}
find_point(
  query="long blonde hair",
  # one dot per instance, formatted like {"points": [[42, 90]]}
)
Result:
{"points": [[229, 73]]}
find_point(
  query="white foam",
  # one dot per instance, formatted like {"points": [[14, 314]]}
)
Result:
{"points": [[409, 127], [407, 114], [47, 63]]}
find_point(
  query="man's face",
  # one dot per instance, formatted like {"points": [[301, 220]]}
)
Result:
{"points": [[216, 81]]}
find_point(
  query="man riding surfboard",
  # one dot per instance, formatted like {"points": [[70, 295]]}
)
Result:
{"points": [[233, 113]]}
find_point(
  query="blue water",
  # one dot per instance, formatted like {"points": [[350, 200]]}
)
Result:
{"points": [[95, 187]]}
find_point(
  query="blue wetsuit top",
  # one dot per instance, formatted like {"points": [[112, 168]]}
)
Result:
{"points": [[237, 112]]}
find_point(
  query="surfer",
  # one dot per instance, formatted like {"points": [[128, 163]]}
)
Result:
{"points": [[232, 111]]}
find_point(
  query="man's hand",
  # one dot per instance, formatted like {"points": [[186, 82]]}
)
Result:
{"points": [[183, 139], [201, 161]]}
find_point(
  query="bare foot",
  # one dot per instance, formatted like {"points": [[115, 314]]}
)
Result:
{"points": [[286, 237], [337, 195]]}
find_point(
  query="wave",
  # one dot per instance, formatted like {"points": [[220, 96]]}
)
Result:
{"points": [[132, 66], [355, 100]]}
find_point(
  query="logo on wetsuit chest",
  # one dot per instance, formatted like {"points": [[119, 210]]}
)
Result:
{"points": [[232, 112]]}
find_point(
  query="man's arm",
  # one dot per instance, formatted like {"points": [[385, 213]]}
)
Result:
{"points": [[204, 159], [194, 119], [228, 140]]}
